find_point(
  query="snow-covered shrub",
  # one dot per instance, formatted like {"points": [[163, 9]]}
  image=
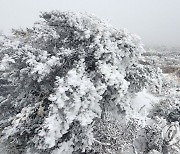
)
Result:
{"points": [[64, 75], [114, 136], [153, 138]]}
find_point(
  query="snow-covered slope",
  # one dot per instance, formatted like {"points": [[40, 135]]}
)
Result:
{"points": [[75, 85]]}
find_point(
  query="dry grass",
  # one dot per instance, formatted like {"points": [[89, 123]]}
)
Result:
{"points": [[173, 71], [170, 69]]}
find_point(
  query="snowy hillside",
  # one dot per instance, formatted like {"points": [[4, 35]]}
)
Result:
{"points": [[73, 84]]}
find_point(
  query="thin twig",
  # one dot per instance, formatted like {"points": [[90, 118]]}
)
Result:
{"points": [[101, 142]]}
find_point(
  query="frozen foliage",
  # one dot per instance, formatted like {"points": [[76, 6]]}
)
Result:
{"points": [[73, 84], [114, 136]]}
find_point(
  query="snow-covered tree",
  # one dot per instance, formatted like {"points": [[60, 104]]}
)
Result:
{"points": [[63, 77]]}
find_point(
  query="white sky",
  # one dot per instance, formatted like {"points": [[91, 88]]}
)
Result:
{"points": [[155, 21]]}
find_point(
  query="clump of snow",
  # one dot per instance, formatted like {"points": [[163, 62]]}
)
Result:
{"points": [[141, 105]]}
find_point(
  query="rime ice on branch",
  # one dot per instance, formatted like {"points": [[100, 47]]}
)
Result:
{"points": [[63, 75]]}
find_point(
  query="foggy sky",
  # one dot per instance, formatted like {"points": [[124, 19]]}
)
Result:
{"points": [[157, 22]]}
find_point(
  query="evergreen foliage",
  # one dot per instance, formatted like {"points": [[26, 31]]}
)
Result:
{"points": [[67, 86]]}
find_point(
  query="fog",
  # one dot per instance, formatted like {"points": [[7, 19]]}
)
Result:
{"points": [[157, 22]]}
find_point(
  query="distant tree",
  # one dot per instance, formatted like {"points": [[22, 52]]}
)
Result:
{"points": [[63, 77]]}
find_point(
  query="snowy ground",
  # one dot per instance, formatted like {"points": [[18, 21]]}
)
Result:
{"points": [[168, 61], [141, 105]]}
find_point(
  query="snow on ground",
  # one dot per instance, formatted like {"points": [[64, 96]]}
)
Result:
{"points": [[140, 106]]}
